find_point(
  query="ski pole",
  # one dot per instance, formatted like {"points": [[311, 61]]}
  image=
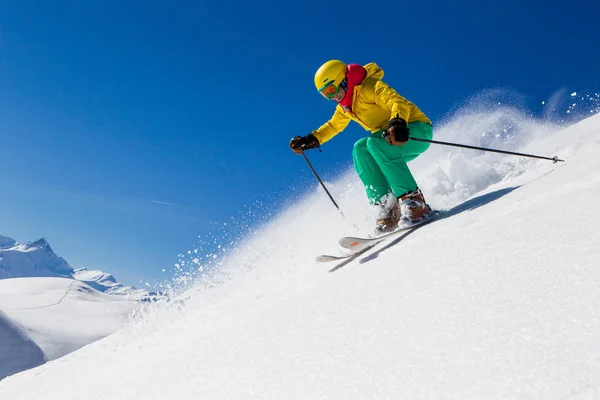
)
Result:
{"points": [[322, 184], [554, 159]]}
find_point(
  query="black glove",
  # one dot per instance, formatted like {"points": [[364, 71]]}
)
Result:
{"points": [[301, 143], [397, 134]]}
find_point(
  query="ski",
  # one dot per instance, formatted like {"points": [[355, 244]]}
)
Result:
{"points": [[323, 258], [366, 244], [345, 260], [358, 243], [328, 258]]}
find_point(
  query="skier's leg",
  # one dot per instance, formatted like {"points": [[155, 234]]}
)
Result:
{"points": [[392, 159], [369, 172]]}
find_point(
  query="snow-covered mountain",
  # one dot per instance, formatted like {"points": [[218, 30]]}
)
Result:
{"points": [[6, 242], [37, 259], [497, 300], [48, 309], [104, 282]]}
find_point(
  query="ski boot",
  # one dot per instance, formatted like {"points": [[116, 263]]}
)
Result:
{"points": [[389, 215], [413, 207]]}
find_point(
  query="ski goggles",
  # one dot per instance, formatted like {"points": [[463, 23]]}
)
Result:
{"points": [[330, 90]]}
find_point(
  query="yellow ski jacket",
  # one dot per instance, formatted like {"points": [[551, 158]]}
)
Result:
{"points": [[374, 103]]}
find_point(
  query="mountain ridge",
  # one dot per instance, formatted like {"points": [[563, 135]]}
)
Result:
{"points": [[37, 259]]}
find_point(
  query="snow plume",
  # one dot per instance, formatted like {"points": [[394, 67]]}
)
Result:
{"points": [[203, 264], [565, 107], [199, 270], [494, 119]]}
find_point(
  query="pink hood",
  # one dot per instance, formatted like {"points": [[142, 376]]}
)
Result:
{"points": [[356, 73]]}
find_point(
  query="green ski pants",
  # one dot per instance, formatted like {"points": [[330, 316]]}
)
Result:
{"points": [[382, 167]]}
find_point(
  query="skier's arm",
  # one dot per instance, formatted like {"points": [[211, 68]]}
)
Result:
{"points": [[338, 122], [387, 98]]}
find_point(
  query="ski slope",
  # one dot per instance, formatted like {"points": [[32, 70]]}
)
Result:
{"points": [[497, 301], [45, 318]]}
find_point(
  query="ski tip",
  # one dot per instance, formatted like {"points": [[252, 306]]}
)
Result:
{"points": [[326, 258], [353, 244]]}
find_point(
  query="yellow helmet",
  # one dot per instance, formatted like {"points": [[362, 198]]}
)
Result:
{"points": [[332, 72]]}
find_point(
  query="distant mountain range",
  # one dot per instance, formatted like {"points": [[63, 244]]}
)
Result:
{"points": [[37, 259], [49, 309]]}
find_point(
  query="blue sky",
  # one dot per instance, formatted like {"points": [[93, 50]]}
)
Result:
{"points": [[129, 129]]}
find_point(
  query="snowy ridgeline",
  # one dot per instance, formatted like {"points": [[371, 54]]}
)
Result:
{"points": [[496, 300], [48, 309], [37, 259]]}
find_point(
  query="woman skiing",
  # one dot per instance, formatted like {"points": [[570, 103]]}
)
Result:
{"points": [[380, 160]]}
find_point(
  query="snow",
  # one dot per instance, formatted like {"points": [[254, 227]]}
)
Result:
{"points": [[17, 351], [497, 301], [45, 313], [46, 318]]}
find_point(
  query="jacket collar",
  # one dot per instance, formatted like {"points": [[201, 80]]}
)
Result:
{"points": [[355, 75]]}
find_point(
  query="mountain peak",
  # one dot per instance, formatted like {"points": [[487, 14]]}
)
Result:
{"points": [[37, 259], [6, 242], [40, 244], [34, 259]]}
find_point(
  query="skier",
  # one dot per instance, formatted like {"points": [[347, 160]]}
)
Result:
{"points": [[380, 160]]}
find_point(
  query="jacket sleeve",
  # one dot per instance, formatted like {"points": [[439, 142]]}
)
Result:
{"points": [[387, 98], [338, 122]]}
